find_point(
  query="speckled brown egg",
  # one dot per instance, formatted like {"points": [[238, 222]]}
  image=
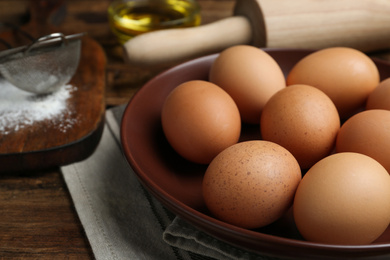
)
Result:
{"points": [[367, 132], [250, 76], [343, 199], [379, 98], [302, 119], [199, 120], [251, 184], [346, 75]]}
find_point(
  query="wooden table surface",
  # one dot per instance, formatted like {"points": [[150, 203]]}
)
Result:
{"points": [[37, 217]]}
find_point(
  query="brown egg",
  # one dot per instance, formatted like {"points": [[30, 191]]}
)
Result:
{"points": [[250, 76], [199, 120], [346, 75], [367, 132], [251, 184], [343, 199], [302, 119], [379, 98]]}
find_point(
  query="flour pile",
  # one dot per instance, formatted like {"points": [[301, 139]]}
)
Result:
{"points": [[19, 108]]}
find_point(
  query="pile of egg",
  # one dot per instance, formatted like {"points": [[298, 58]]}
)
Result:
{"points": [[328, 118]]}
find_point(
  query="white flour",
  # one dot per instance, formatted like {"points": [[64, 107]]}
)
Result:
{"points": [[19, 109]]}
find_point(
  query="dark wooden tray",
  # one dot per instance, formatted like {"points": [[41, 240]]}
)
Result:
{"points": [[43, 144]]}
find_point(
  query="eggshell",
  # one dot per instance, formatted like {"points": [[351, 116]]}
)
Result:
{"points": [[302, 119], [346, 75], [250, 76], [251, 184], [379, 98], [343, 199], [367, 132], [199, 120]]}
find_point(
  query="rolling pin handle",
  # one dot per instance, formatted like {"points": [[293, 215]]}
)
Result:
{"points": [[177, 45]]}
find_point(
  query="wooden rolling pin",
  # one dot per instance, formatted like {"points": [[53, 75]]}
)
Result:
{"points": [[363, 24]]}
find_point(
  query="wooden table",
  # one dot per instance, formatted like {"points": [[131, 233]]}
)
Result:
{"points": [[37, 217]]}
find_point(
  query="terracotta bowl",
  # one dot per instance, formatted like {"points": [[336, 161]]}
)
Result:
{"points": [[176, 183]]}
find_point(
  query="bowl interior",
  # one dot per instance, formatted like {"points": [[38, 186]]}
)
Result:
{"points": [[176, 182]]}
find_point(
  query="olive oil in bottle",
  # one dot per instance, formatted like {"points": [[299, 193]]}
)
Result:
{"points": [[131, 18]]}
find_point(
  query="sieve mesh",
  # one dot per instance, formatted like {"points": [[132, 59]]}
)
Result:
{"points": [[42, 70]]}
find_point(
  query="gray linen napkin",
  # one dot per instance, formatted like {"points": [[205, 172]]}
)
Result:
{"points": [[122, 220]]}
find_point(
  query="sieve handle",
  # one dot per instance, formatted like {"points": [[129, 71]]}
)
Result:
{"points": [[43, 42], [36, 43]]}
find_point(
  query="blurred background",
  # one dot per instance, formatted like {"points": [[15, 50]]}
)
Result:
{"points": [[71, 16]]}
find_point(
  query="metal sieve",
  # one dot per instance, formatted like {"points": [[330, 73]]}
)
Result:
{"points": [[43, 66]]}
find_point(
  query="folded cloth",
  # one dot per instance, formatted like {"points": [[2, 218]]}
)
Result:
{"points": [[124, 221]]}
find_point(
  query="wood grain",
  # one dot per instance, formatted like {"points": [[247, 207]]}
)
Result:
{"points": [[38, 220]]}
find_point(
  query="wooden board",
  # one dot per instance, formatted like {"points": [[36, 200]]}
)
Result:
{"points": [[44, 144]]}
